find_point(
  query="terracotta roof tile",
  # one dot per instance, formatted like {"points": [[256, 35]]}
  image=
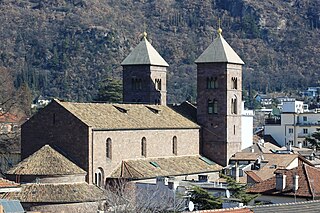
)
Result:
{"points": [[231, 210], [307, 183], [6, 183], [254, 176]]}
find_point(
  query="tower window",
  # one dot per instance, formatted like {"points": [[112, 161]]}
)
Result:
{"points": [[234, 83], [144, 147], [109, 148], [234, 105], [158, 84], [174, 145], [136, 84], [212, 83], [212, 106]]}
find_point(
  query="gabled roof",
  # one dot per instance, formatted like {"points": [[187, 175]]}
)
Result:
{"points": [[164, 166], [219, 51], [128, 116], [57, 193], [308, 184], [46, 161], [144, 54]]}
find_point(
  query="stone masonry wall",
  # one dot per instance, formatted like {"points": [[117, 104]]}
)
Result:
{"points": [[127, 145]]}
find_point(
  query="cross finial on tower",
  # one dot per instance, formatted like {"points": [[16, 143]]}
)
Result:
{"points": [[219, 27]]}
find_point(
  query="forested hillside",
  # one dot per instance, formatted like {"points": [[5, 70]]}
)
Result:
{"points": [[65, 48]]}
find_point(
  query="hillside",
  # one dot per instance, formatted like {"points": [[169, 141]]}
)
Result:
{"points": [[64, 48]]}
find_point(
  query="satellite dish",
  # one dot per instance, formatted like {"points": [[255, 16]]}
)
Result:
{"points": [[227, 193], [191, 206]]}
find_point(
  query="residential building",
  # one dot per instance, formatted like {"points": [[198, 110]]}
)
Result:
{"points": [[289, 185], [294, 125]]}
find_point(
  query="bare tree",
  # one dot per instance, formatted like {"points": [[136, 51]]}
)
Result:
{"points": [[123, 196]]}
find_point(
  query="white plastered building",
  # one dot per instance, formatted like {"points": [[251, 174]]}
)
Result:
{"points": [[295, 124]]}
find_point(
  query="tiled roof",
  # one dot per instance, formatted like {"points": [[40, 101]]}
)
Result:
{"points": [[186, 109], [57, 193], [8, 118], [168, 166], [308, 184], [7, 184], [219, 51], [271, 162], [144, 54], [298, 207], [127, 116], [254, 176], [45, 161], [231, 210]]}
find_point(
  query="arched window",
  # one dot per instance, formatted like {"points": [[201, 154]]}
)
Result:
{"points": [[174, 145], [158, 84], [98, 177], [109, 148], [212, 83], [212, 106], [144, 147], [234, 83], [234, 109]]}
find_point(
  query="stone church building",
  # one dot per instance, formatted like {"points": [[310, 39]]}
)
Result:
{"points": [[99, 138]]}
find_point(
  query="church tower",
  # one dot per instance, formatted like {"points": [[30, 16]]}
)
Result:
{"points": [[219, 98], [144, 75]]}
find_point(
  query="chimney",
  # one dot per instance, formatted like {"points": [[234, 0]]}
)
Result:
{"points": [[295, 182], [280, 181]]}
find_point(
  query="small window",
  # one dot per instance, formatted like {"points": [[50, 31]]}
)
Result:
{"points": [[305, 131], [305, 118], [291, 142], [174, 145], [290, 130], [234, 129], [144, 147], [234, 108], [210, 107], [109, 148], [158, 84], [212, 83], [234, 83]]}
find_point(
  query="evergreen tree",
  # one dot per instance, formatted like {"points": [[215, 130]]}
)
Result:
{"points": [[238, 190], [110, 90], [314, 140], [204, 200]]}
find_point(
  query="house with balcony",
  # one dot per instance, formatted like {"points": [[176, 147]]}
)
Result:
{"points": [[294, 124]]}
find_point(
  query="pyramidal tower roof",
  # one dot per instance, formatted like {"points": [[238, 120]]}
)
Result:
{"points": [[144, 54], [46, 161], [219, 51]]}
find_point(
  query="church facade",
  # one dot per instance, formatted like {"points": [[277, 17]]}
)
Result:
{"points": [[99, 137]]}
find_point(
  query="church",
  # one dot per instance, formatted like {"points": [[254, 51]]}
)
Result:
{"points": [[143, 137]]}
